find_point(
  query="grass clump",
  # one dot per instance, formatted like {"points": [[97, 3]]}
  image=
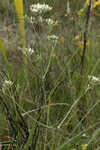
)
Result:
{"points": [[49, 79]]}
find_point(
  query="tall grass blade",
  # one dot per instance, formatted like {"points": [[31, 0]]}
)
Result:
{"points": [[19, 9]]}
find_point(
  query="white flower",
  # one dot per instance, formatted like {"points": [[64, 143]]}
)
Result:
{"points": [[52, 37], [89, 87], [32, 19], [40, 8], [94, 79], [50, 21], [6, 85], [25, 16], [84, 135], [28, 51]]}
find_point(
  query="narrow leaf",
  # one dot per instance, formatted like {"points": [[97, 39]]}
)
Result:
{"points": [[19, 9]]}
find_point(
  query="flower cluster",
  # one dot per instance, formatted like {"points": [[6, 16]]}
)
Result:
{"points": [[6, 85], [40, 8], [28, 51], [94, 79], [32, 19], [50, 21], [38, 18], [52, 37]]}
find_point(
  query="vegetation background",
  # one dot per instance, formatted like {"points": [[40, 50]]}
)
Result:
{"points": [[51, 99]]}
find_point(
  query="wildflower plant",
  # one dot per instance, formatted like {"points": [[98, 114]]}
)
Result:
{"points": [[38, 11], [42, 24], [38, 16]]}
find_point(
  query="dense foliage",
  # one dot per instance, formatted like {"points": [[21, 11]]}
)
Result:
{"points": [[49, 75]]}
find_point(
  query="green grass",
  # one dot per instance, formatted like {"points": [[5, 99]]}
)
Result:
{"points": [[52, 104]]}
